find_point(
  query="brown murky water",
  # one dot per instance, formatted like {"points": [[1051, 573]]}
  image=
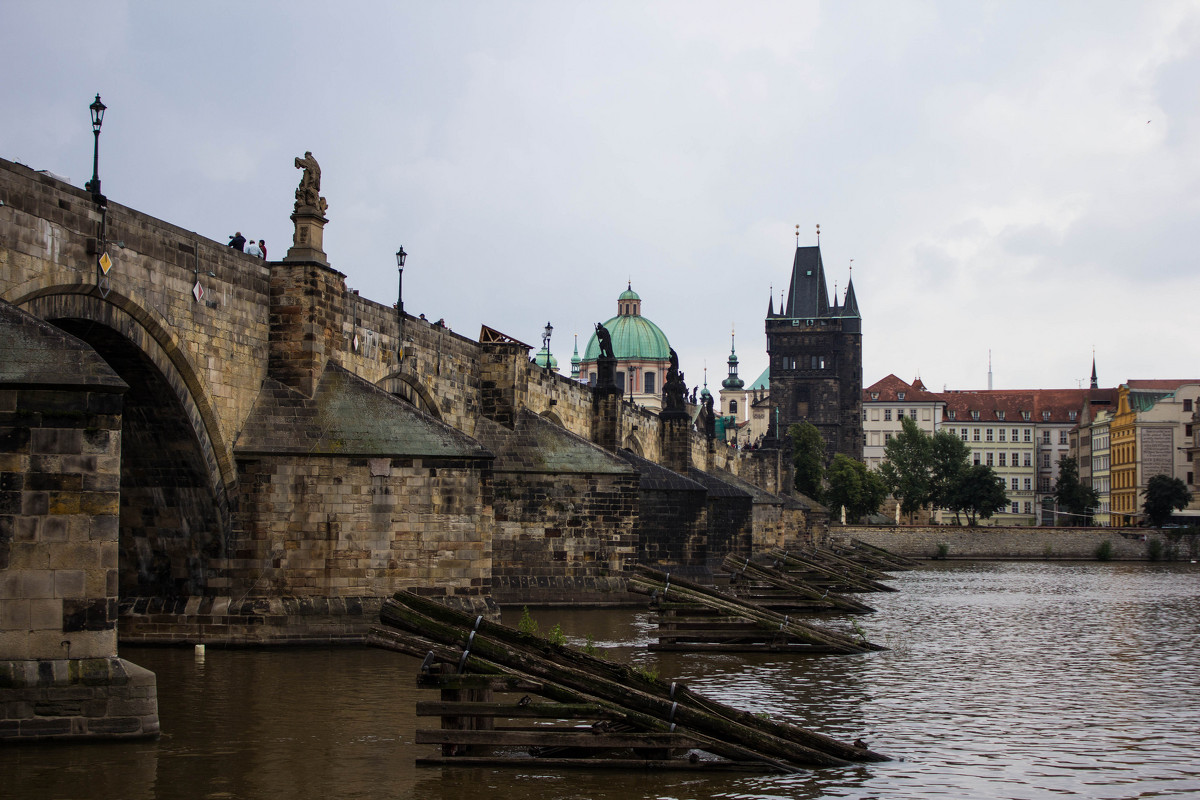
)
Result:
{"points": [[1003, 681]]}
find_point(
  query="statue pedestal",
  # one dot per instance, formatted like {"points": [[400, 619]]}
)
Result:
{"points": [[606, 373], [307, 241]]}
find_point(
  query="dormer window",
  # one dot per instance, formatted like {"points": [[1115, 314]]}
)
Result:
{"points": [[999, 415], [1025, 416], [899, 395], [874, 395], [952, 413], [1072, 415], [1045, 416], [975, 415]]}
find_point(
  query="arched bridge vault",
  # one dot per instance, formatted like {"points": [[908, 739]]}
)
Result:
{"points": [[177, 472]]}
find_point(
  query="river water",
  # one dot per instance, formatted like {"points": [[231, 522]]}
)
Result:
{"points": [[1004, 680]]}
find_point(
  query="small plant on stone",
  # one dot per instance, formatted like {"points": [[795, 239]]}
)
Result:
{"points": [[1104, 551], [1154, 549], [649, 673], [527, 624], [943, 550], [1048, 551], [556, 635], [590, 648]]}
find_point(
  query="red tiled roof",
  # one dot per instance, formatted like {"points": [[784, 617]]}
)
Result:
{"points": [[889, 388]]}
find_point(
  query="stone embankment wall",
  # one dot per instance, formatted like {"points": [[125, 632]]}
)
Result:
{"points": [[1018, 542]]}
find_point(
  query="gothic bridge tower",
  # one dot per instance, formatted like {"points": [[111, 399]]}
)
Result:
{"points": [[815, 355]]}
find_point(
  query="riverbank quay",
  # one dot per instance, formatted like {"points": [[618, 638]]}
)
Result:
{"points": [[1025, 543]]}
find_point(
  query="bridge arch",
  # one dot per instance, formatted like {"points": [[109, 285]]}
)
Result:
{"points": [[409, 388], [177, 472], [632, 444], [550, 416]]}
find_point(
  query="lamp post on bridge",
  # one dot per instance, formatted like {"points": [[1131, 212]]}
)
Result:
{"points": [[546, 343], [401, 257], [97, 108]]}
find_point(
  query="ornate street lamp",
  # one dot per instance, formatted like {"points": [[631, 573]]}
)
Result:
{"points": [[97, 109], [401, 257], [549, 330]]}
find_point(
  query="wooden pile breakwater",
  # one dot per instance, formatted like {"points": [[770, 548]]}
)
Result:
{"points": [[779, 591], [872, 556], [830, 571], [513, 699], [692, 617]]}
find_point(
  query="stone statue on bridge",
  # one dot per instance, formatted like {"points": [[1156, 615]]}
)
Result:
{"points": [[309, 191], [604, 339], [674, 391]]}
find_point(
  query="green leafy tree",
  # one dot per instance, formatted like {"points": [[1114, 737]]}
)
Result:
{"points": [[949, 460], [1164, 496], [980, 493], [808, 455], [1073, 496], [852, 486], [907, 469]]}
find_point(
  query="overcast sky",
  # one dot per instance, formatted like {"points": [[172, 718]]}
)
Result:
{"points": [[1019, 178]]}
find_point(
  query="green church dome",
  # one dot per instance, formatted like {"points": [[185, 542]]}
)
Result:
{"points": [[629, 294], [632, 337]]}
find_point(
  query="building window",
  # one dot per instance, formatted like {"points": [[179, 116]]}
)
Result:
{"points": [[962, 432], [1025, 416], [1028, 463], [899, 395], [592, 378], [1016, 434], [887, 437], [975, 415], [1014, 486], [912, 413], [1001, 432], [1071, 415], [989, 459], [975, 434], [1062, 437], [621, 380], [1003, 459], [1187, 430], [1028, 434], [648, 379], [1016, 507], [650, 388], [887, 415], [1028, 507], [989, 434], [976, 455], [951, 414], [1016, 458], [1187, 405], [874, 395], [1045, 437], [1028, 484], [1045, 461], [899, 413], [1045, 416]]}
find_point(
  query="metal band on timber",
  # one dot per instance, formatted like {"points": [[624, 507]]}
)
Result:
{"points": [[699, 617], [606, 714]]}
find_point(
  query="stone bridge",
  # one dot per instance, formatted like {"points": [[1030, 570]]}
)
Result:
{"points": [[288, 453], [213, 448]]}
